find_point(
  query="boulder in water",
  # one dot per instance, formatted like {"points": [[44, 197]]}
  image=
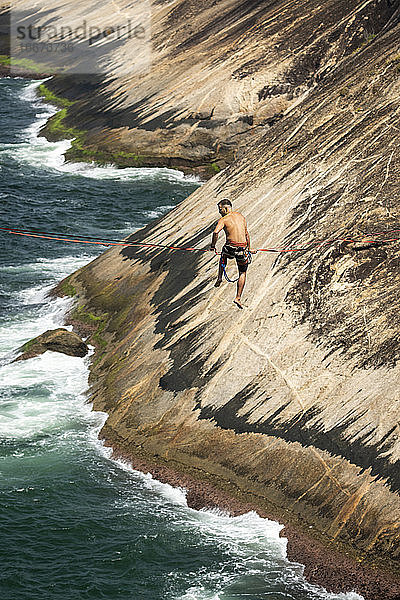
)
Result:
{"points": [[57, 340]]}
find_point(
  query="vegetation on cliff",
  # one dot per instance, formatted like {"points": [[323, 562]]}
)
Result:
{"points": [[22, 67]]}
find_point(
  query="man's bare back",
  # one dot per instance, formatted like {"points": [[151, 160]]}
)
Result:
{"points": [[234, 226]]}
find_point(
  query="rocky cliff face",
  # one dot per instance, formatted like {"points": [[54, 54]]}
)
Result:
{"points": [[219, 74], [295, 401]]}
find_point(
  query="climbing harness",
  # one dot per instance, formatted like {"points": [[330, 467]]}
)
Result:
{"points": [[247, 258]]}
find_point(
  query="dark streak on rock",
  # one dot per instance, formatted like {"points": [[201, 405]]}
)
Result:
{"points": [[298, 429]]}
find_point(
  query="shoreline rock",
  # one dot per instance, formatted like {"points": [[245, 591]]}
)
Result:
{"points": [[57, 340], [215, 82]]}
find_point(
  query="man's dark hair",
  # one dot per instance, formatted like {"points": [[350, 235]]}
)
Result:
{"points": [[225, 202]]}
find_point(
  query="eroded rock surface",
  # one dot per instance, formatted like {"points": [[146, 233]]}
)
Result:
{"points": [[294, 401], [56, 340], [220, 74]]}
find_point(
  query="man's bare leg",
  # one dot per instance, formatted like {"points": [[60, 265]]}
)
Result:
{"points": [[220, 273], [240, 285]]}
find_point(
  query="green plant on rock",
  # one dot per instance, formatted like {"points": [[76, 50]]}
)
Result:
{"points": [[97, 337], [57, 128], [51, 97], [28, 345], [214, 168], [344, 91], [129, 157], [86, 316], [22, 63], [98, 322], [67, 288], [368, 39], [4, 59]]}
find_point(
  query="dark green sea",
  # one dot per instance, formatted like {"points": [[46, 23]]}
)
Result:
{"points": [[74, 524]]}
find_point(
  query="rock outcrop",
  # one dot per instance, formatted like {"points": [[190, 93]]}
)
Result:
{"points": [[56, 340], [218, 75]]}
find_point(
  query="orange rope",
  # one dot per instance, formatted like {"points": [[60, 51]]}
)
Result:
{"points": [[283, 249]]}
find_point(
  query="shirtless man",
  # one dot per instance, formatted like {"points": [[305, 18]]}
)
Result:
{"points": [[237, 244]]}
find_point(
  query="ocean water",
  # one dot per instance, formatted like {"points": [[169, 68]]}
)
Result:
{"points": [[75, 524]]}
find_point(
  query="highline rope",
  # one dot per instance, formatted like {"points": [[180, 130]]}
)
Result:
{"points": [[371, 238]]}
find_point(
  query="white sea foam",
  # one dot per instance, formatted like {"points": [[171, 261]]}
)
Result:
{"points": [[54, 383], [201, 593], [93, 171], [29, 94], [257, 547], [54, 269], [173, 495], [23, 329], [57, 267], [39, 153], [34, 150], [48, 314], [42, 393], [252, 541]]}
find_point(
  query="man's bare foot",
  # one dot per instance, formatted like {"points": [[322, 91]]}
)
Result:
{"points": [[238, 303], [218, 283]]}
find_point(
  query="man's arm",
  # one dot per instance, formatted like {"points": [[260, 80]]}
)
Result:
{"points": [[218, 228], [247, 237]]}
